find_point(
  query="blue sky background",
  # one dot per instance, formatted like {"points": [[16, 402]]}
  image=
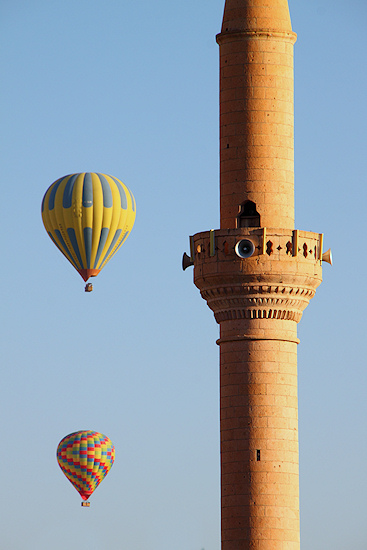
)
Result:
{"points": [[131, 89]]}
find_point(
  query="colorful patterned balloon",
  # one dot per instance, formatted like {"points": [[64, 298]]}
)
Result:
{"points": [[85, 457], [88, 216]]}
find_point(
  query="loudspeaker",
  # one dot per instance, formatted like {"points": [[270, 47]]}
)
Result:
{"points": [[186, 261], [327, 257], [244, 248]]}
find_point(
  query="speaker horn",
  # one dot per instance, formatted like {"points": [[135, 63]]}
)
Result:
{"points": [[327, 257], [245, 248], [186, 261]]}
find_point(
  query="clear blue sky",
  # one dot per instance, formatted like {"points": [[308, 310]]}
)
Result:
{"points": [[131, 89]]}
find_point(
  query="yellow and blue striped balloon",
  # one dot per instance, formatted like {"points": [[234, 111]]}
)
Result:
{"points": [[88, 216]]}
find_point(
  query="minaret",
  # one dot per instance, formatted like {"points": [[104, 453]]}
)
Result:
{"points": [[257, 274]]}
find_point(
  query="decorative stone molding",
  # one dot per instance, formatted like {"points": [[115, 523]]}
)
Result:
{"points": [[257, 302]]}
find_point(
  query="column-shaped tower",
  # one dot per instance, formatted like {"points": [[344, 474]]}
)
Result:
{"points": [[257, 274]]}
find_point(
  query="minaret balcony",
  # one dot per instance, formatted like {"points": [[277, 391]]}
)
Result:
{"points": [[257, 273]]}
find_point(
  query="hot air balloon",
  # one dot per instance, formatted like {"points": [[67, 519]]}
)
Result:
{"points": [[88, 216], [85, 457]]}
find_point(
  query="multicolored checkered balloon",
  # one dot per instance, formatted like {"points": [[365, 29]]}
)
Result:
{"points": [[85, 457]]}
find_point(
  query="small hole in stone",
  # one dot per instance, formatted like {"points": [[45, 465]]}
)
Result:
{"points": [[258, 455]]}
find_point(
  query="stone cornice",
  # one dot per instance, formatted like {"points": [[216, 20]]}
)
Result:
{"points": [[259, 33], [257, 302]]}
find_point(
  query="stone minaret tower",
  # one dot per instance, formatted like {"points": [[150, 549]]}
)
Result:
{"points": [[257, 274]]}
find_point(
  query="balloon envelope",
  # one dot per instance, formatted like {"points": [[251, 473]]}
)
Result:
{"points": [[88, 216], [85, 457]]}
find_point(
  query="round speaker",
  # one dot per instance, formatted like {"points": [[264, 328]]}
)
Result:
{"points": [[245, 248]]}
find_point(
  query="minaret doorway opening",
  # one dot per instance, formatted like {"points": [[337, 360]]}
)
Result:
{"points": [[248, 215]]}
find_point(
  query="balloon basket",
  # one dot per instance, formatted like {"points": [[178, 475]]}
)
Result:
{"points": [[86, 504], [88, 287]]}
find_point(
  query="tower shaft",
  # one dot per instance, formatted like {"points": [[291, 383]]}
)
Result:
{"points": [[259, 443], [256, 113], [257, 274]]}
